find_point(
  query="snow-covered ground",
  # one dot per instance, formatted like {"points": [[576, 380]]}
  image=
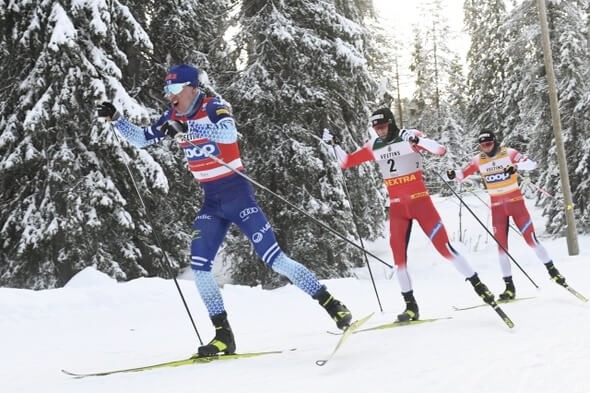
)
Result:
{"points": [[96, 324]]}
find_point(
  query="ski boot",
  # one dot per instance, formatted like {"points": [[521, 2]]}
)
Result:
{"points": [[510, 292], [481, 289], [338, 311], [411, 311], [223, 340], [554, 273]]}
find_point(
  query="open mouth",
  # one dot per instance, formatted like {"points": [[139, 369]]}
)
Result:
{"points": [[175, 102]]}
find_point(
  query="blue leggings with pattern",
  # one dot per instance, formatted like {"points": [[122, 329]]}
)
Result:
{"points": [[235, 203]]}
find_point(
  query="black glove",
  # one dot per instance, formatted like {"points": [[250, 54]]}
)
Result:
{"points": [[510, 169], [108, 110], [409, 136], [329, 138], [451, 174], [173, 127]]}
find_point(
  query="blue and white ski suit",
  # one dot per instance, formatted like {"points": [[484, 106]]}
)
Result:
{"points": [[229, 198]]}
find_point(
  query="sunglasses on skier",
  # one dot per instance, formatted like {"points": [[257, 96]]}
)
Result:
{"points": [[487, 144], [175, 88]]}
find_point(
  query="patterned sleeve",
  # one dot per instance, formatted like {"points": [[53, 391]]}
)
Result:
{"points": [[138, 136], [223, 129]]}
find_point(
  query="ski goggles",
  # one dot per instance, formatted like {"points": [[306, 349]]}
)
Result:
{"points": [[175, 88], [487, 144]]}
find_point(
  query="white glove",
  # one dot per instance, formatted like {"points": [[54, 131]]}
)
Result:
{"points": [[326, 136], [408, 135]]}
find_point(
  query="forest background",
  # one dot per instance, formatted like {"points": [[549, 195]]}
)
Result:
{"points": [[289, 69]]}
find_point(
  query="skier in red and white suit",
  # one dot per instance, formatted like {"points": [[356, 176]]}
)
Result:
{"points": [[498, 168], [400, 163]]}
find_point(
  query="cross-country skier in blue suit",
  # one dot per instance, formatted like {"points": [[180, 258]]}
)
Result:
{"points": [[205, 128]]}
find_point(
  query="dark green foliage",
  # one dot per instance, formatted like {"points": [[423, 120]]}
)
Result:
{"points": [[67, 199], [486, 59], [304, 71], [289, 69], [509, 91]]}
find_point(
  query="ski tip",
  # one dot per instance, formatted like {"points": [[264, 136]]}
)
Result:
{"points": [[363, 319], [71, 374], [508, 321], [576, 293], [287, 350]]}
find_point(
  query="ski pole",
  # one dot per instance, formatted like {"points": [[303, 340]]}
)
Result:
{"points": [[357, 228], [166, 266], [468, 188], [542, 191], [264, 188], [482, 224]]}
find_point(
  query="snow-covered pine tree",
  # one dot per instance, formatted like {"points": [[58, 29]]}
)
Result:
{"points": [[525, 111], [568, 28], [382, 61], [182, 32], [420, 100], [527, 117], [67, 200], [523, 58], [190, 32], [433, 65], [303, 68], [577, 106], [455, 135], [582, 170], [485, 59]]}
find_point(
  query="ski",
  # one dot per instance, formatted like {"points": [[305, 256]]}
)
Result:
{"points": [[354, 326], [498, 301], [394, 325], [174, 363], [398, 324], [574, 292], [502, 314]]}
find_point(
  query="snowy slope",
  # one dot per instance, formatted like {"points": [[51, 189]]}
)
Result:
{"points": [[95, 324]]}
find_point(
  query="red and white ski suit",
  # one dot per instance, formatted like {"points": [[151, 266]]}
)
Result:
{"points": [[400, 164]]}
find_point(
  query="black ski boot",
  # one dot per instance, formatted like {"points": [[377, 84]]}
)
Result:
{"points": [[510, 292], [554, 273], [223, 340], [481, 289], [411, 311], [338, 311]]}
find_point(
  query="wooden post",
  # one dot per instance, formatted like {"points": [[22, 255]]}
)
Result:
{"points": [[572, 235]]}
